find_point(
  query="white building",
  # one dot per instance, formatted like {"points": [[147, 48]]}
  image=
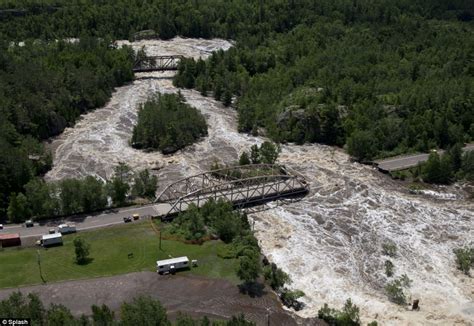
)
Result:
{"points": [[171, 265], [51, 239]]}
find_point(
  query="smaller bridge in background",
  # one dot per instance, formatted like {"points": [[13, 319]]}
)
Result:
{"points": [[157, 63], [243, 186]]}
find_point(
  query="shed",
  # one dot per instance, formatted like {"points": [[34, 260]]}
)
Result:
{"points": [[172, 264], [10, 240]]}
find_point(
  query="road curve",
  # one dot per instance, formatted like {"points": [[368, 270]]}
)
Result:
{"points": [[409, 161]]}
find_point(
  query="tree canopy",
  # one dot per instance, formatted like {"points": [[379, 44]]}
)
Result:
{"points": [[167, 123]]}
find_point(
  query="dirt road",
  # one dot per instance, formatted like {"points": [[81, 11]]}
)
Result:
{"points": [[192, 295]]}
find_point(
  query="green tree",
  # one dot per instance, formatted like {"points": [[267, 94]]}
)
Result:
{"points": [[269, 152], [389, 268], [467, 166], [361, 145], [249, 266], [276, 277], [118, 187], [227, 97], [244, 158], [396, 289], [254, 154], [455, 152], [93, 194], [464, 259], [59, 315], [167, 123], [144, 184], [143, 310], [102, 316], [82, 250], [37, 192], [438, 170], [71, 194], [349, 316], [18, 209]]}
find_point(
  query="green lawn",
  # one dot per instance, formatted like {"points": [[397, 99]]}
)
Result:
{"points": [[109, 250]]}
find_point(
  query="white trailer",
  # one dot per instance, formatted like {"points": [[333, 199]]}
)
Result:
{"points": [[54, 239], [171, 265], [66, 228]]}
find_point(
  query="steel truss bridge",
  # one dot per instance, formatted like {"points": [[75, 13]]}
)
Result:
{"points": [[243, 186], [157, 63]]}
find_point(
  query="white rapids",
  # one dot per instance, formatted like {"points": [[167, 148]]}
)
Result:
{"points": [[329, 242]]}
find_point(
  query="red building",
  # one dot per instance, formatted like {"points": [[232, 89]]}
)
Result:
{"points": [[10, 240]]}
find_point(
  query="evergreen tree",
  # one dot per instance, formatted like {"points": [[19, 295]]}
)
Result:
{"points": [[254, 154], [268, 152], [102, 316], [244, 158], [18, 210], [143, 310]]}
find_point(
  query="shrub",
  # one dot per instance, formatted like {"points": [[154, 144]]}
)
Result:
{"points": [[464, 259], [389, 268], [276, 277], [395, 289], [348, 316], [389, 249]]}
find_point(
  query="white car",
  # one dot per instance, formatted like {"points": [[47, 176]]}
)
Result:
{"points": [[1, 226]]}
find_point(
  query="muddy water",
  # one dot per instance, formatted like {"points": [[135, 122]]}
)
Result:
{"points": [[330, 242]]}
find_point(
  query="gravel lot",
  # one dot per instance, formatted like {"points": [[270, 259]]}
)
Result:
{"points": [[192, 295]]}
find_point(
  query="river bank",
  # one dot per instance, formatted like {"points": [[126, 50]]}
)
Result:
{"points": [[330, 242]]}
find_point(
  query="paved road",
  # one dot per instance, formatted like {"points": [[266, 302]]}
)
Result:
{"points": [[116, 216], [88, 222], [409, 161]]}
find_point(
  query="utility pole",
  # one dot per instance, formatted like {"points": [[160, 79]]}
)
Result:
{"points": [[38, 256], [160, 239]]}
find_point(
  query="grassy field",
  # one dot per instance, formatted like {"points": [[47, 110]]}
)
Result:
{"points": [[109, 250]]}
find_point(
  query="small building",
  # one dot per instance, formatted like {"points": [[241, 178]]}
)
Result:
{"points": [[172, 264], [55, 239], [10, 240]]}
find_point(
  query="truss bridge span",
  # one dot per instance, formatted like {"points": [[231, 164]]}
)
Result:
{"points": [[243, 186]]}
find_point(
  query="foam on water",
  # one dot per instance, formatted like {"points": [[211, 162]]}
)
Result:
{"points": [[330, 242]]}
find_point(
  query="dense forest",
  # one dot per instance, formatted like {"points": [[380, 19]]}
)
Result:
{"points": [[381, 77], [386, 87], [167, 123], [45, 87]]}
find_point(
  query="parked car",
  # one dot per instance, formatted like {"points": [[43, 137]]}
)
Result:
{"points": [[29, 223], [66, 228], [1, 226], [127, 219], [136, 216]]}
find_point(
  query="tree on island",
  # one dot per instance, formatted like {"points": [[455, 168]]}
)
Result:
{"points": [[166, 123]]}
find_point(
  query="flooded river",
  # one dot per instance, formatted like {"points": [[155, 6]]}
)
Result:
{"points": [[330, 242]]}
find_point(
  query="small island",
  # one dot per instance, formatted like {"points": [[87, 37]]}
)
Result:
{"points": [[166, 123]]}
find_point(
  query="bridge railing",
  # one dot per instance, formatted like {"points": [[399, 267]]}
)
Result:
{"points": [[157, 63], [217, 177], [241, 192]]}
